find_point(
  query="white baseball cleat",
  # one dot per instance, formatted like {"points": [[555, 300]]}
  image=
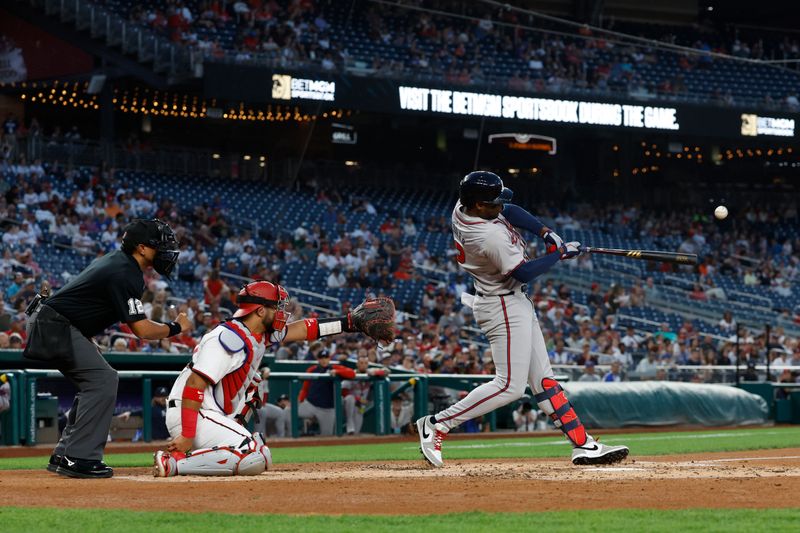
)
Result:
{"points": [[164, 464], [430, 440], [595, 453]]}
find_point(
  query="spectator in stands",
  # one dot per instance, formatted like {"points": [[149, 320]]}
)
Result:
{"points": [[559, 354], [648, 366], [697, 293], [589, 374], [614, 375], [631, 340], [15, 341], [336, 279], [650, 289], [727, 323], [119, 345], [213, 287]]}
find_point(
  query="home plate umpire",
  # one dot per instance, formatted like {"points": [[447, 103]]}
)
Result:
{"points": [[60, 329]]}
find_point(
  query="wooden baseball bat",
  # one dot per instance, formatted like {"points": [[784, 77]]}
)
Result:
{"points": [[646, 255]]}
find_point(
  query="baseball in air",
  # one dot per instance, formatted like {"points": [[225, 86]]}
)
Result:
{"points": [[721, 212]]}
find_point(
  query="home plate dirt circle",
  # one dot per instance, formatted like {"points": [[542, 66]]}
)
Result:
{"points": [[755, 479], [544, 470]]}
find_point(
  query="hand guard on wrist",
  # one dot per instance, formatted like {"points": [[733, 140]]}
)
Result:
{"points": [[552, 241]]}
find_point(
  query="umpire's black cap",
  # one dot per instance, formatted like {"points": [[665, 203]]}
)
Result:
{"points": [[148, 232], [155, 234]]}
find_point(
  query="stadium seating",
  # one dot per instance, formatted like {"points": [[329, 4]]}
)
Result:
{"points": [[604, 66]]}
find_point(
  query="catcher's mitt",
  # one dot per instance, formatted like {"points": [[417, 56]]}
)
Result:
{"points": [[375, 318]]}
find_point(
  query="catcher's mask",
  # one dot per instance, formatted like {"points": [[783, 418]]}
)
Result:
{"points": [[153, 234], [261, 293]]}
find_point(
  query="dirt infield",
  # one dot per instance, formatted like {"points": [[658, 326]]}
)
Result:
{"points": [[754, 479]]}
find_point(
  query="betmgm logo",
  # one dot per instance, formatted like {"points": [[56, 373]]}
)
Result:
{"points": [[753, 125], [281, 87], [749, 124]]}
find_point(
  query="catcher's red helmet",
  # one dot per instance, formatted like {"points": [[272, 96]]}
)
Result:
{"points": [[260, 293]]}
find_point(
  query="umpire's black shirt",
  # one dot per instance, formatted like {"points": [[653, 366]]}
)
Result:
{"points": [[106, 292]]}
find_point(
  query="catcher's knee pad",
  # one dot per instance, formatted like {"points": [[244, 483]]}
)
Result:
{"points": [[257, 460], [251, 458], [554, 403]]}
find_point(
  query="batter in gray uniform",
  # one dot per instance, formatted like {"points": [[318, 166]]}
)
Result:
{"points": [[493, 251]]}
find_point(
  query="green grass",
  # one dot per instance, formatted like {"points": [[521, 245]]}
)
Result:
{"points": [[82, 520], [639, 443]]}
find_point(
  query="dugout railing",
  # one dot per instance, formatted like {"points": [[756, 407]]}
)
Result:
{"points": [[20, 423]]}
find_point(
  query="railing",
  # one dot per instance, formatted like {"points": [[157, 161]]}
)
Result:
{"points": [[178, 62], [177, 160], [23, 424], [24, 387]]}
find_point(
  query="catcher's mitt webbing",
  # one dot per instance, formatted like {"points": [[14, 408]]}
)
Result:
{"points": [[375, 318]]}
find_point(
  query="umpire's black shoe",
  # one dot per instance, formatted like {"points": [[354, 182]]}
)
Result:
{"points": [[83, 468], [55, 460]]}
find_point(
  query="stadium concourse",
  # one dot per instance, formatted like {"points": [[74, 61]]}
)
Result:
{"points": [[342, 244]]}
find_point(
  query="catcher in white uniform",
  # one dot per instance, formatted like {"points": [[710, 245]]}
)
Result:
{"points": [[220, 385], [493, 252]]}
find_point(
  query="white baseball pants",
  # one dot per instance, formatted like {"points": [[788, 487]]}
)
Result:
{"points": [[519, 354], [213, 429]]}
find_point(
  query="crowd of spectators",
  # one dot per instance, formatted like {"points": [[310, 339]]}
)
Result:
{"points": [[377, 257], [550, 58], [758, 249]]}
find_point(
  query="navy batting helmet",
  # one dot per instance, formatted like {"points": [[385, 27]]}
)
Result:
{"points": [[482, 186]]}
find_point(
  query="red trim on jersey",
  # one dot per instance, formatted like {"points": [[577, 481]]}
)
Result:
{"points": [[226, 427], [508, 364], [203, 376], [469, 223], [233, 382]]}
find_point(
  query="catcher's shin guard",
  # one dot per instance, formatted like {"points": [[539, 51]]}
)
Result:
{"points": [[554, 403], [251, 458]]}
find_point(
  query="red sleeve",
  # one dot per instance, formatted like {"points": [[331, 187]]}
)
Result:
{"points": [[344, 371], [304, 391]]}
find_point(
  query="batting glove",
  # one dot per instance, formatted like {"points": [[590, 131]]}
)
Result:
{"points": [[552, 240], [570, 250]]}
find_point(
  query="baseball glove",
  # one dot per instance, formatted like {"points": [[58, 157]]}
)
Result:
{"points": [[374, 317]]}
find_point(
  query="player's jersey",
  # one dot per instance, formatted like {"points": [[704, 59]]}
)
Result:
{"points": [[360, 389], [489, 250], [229, 357]]}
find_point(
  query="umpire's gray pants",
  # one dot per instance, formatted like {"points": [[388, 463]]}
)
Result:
{"points": [[89, 419]]}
